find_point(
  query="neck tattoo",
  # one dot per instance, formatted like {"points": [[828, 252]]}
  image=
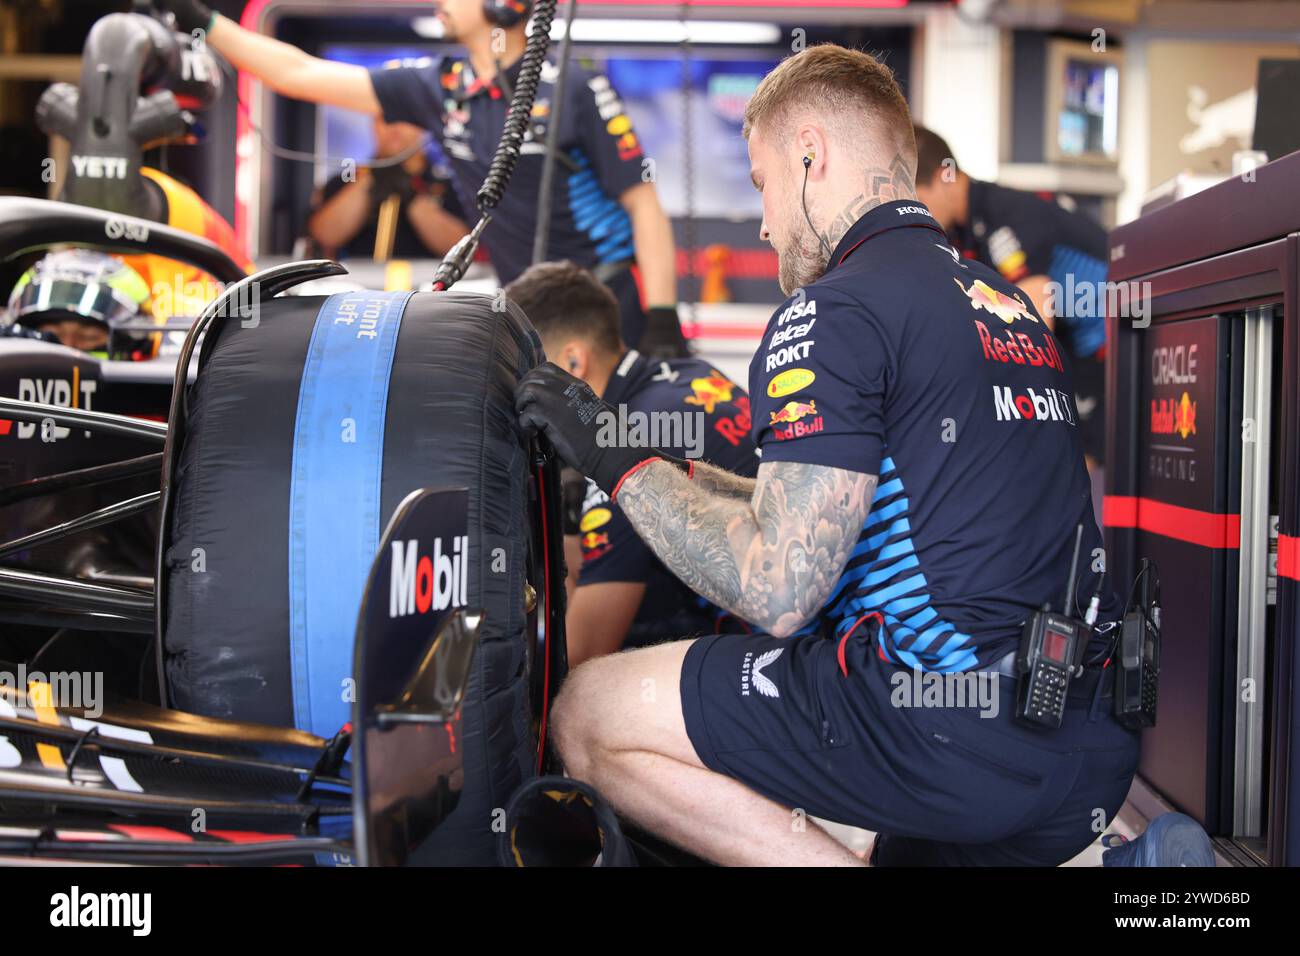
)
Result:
{"points": [[881, 186]]}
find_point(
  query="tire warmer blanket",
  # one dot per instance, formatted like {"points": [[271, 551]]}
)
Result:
{"points": [[334, 506]]}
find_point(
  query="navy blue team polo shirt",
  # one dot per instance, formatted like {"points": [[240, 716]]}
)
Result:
{"points": [[611, 548], [933, 372], [599, 155]]}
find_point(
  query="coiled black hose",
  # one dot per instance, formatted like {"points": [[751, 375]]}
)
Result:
{"points": [[521, 108]]}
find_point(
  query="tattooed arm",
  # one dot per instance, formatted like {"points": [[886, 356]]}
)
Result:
{"points": [[772, 559], [719, 481]]}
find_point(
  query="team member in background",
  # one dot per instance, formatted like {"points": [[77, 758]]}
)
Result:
{"points": [[1052, 253], [604, 214], [345, 218], [916, 501], [625, 597]]}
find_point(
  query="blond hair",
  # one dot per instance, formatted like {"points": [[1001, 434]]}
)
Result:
{"points": [[828, 79]]}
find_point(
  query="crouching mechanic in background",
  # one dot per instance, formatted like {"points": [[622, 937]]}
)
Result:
{"points": [[916, 500], [625, 596]]}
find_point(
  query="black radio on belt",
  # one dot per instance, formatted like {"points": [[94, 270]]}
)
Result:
{"points": [[1050, 647], [1137, 656], [1044, 661]]}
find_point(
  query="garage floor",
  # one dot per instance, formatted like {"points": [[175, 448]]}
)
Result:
{"points": [[1143, 805]]}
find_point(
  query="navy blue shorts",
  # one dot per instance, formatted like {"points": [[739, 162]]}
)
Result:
{"points": [[842, 735]]}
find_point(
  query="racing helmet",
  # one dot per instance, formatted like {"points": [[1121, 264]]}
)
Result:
{"points": [[90, 287]]}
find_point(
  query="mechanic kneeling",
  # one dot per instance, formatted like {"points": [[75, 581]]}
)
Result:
{"points": [[917, 499], [625, 597]]}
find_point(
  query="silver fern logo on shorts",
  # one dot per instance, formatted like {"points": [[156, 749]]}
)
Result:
{"points": [[752, 676]]}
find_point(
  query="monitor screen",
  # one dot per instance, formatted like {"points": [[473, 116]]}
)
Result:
{"points": [[1088, 117]]}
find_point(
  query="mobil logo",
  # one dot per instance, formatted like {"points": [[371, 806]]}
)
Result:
{"points": [[1032, 404], [435, 580]]}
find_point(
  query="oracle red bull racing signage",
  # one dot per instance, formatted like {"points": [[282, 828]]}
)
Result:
{"points": [[1178, 401], [436, 580], [1174, 365]]}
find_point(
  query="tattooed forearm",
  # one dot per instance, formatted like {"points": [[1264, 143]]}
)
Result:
{"points": [[719, 481], [879, 186], [771, 560]]}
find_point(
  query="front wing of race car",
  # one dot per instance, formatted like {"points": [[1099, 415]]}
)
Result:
{"points": [[122, 781], [142, 783]]}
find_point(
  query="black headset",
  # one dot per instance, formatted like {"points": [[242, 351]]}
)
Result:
{"points": [[507, 13]]}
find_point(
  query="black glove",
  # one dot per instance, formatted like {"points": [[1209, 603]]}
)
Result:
{"points": [[391, 180], [566, 410], [190, 15], [663, 338]]}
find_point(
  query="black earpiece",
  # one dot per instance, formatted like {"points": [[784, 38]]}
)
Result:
{"points": [[803, 201]]}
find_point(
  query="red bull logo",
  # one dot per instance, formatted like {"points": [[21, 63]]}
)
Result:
{"points": [[1170, 417], [708, 391], [1017, 348], [736, 427], [594, 539], [420, 583], [594, 544], [1005, 307], [1185, 423], [791, 412], [797, 420]]}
